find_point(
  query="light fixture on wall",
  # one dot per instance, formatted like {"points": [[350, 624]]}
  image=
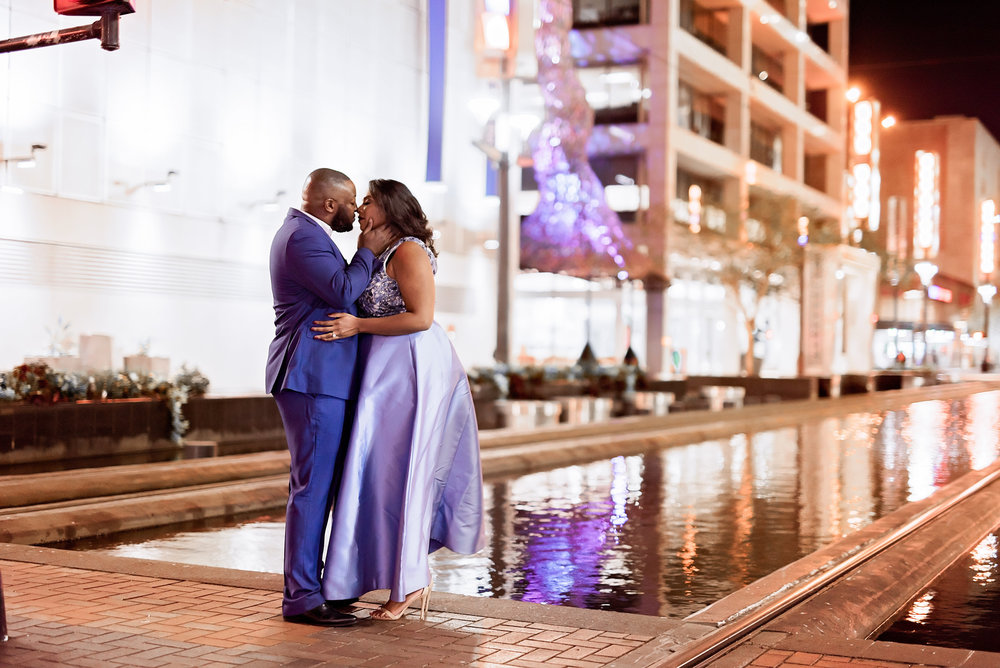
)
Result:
{"points": [[268, 205], [158, 185], [22, 162], [25, 161]]}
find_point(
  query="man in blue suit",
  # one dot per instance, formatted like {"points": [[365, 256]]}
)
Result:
{"points": [[314, 382]]}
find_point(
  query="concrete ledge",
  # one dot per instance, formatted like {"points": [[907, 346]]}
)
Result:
{"points": [[32, 489], [507, 452], [860, 605], [101, 518], [802, 570]]}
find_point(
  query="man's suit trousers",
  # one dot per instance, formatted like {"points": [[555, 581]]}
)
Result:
{"points": [[315, 430]]}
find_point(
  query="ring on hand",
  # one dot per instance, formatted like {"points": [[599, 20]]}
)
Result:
{"points": [[333, 335]]}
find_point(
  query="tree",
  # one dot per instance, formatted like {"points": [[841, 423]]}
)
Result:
{"points": [[758, 256]]}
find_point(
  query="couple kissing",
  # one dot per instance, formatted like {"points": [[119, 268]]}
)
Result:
{"points": [[375, 403]]}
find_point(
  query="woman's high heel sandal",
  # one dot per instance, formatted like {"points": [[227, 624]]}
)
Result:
{"points": [[383, 613]]}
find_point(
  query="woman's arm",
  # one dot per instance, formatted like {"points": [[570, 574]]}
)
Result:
{"points": [[411, 269]]}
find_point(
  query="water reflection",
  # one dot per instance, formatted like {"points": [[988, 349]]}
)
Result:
{"points": [[959, 608], [668, 532]]}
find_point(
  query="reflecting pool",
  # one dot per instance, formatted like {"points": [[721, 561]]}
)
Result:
{"points": [[670, 531], [958, 609]]}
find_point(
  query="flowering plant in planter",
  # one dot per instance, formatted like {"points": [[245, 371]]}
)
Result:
{"points": [[188, 383], [41, 385], [545, 381]]}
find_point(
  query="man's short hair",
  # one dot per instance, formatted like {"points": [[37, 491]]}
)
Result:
{"points": [[329, 178]]}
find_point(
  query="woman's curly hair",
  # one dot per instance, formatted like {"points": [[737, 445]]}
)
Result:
{"points": [[402, 210]]}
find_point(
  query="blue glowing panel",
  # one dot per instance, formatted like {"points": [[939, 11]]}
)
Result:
{"points": [[436, 39]]}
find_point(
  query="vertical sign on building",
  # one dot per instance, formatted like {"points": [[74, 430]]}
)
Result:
{"points": [[818, 330], [926, 205], [987, 238], [866, 179]]}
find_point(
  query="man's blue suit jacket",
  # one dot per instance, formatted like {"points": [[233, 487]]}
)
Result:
{"points": [[310, 279]]}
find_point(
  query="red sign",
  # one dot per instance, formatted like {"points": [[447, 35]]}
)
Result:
{"points": [[93, 7], [937, 293]]}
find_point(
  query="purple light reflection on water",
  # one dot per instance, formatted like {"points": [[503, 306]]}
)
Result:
{"points": [[564, 551], [670, 531]]}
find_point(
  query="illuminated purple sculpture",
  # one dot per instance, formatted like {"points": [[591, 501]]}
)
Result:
{"points": [[573, 230]]}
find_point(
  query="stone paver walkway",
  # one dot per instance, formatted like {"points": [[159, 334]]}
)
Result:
{"points": [[61, 616], [71, 617]]}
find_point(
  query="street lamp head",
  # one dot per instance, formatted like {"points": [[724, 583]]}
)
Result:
{"points": [[987, 291], [926, 271]]}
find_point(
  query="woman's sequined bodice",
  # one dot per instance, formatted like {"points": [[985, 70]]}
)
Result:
{"points": [[381, 297]]}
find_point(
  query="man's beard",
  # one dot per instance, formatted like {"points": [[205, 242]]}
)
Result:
{"points": [[343, 222]]}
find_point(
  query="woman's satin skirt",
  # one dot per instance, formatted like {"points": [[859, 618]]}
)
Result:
{"points": [[412, 481]]}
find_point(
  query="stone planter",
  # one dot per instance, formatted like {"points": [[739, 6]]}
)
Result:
{"points": [[84, 430], [131, 430], [527, 413]]}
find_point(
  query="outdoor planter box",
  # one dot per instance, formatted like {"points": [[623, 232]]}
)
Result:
{"points": [[131, 430], [84, 429]]}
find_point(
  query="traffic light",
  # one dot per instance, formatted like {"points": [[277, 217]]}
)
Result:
{"points": [[496, 38], [93, 7]]}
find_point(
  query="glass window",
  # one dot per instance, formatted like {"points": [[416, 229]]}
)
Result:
{"points": [[614, 93], [594, 13], [768, 68], [765, 146], [701, 113], [705, 24], [816, 103]]}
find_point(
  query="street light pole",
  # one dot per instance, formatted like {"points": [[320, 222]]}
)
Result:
{"points": [[894, 281], [508, 237], [987, 365], [986, 291], [926, 270], [496, 51], [504, 273]]}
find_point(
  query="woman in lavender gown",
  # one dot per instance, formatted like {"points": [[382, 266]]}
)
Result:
{"points": [[411, 480]]}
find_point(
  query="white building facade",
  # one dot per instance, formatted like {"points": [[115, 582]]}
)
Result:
{"points": [[229, 104]]}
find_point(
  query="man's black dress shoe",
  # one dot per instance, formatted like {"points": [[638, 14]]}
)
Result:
{"points": [[343, 604], [323, 614]]}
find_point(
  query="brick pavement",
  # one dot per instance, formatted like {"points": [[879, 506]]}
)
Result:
{"points": [[62, 616], [72, 617]]}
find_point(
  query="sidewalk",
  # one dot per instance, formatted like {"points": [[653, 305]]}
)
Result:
{"points": [[73, 617], [62, 615]]}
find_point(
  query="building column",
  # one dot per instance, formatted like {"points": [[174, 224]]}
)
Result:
{"points": [[793, 152], [797, 13], [839, 40], [738, 44], [661, 172], [792, 137]]}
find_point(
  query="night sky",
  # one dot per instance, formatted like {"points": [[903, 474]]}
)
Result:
{"points": [[926, 58]]}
